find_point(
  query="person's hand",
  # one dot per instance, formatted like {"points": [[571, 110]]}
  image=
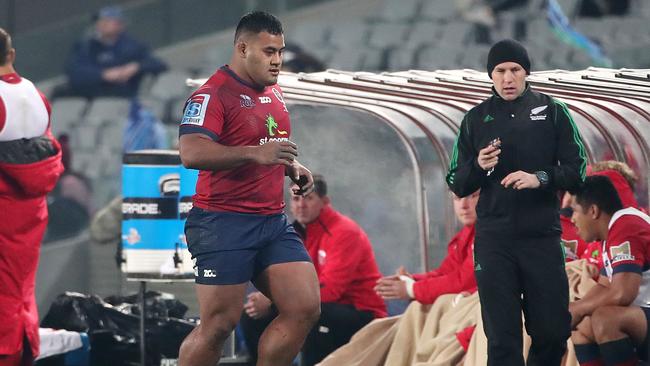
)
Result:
{"points": [[129, 70], [458, 297], [520, 180], [401, 271], [392, 288], [112, 74], [257, 305], [488, 157], [576, 314], [276, 152], [302, 177]]}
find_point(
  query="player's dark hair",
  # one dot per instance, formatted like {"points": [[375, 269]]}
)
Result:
{"points": [[600, 191], [5, 46], [320, 185], [257, 22]]}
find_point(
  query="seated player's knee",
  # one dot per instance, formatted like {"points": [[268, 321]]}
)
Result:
{"points": [[583, 332], [605, 321]]}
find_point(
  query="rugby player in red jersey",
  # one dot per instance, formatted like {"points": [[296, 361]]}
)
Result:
{"points": [[236, 131]]}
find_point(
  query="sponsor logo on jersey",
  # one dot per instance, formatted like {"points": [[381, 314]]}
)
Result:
{"points": [[195, 107], [264, 140], [246, 102], [272, 129], [621, 252], [535, 113], [280, 98], [265, 100], [488, 118], [272, 126]]}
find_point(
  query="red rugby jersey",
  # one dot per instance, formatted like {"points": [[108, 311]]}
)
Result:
{"points": [[233, 112], [627, 249]]}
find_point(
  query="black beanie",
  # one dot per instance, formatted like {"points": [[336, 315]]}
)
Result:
{"points": [[507, 50]]}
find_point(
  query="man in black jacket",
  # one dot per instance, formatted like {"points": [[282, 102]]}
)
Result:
{"points": [[519, 147]]}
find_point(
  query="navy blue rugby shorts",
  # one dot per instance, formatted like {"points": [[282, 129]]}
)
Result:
{"points": [[231, 248]]}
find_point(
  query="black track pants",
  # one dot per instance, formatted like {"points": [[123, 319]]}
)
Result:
{"points": [[528, 275]]}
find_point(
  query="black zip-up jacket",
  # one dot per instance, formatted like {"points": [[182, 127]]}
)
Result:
{"points": [[537, 134]]}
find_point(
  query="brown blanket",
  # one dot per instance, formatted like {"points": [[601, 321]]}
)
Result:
{"points": [[425, 335]]}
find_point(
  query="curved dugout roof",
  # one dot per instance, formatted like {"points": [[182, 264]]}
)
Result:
{"points": [[383, 142]]}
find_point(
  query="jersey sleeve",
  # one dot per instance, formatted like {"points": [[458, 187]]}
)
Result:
{"points": [[571, 171], [464, 176], [203, 113], [459, 279], [625, 249]]}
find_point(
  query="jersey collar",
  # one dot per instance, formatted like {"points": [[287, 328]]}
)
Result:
{"points": [[516, 100], [229, 71], [12, 78]]}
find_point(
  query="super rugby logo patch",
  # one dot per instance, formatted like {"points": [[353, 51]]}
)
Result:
{"points": [[621, 252], [195, 107]]}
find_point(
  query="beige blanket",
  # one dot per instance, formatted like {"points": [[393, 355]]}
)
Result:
{"points": [[425, 335]]}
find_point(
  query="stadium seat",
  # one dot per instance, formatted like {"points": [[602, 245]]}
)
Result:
{"points": [[374, 59], [439, 10], [403, 10], [455, 34], [171, 85], [350, 33], [66, 112], [473, 57], [309, 34], [214, 57], [424, 32], [176, 110], [579, 60], [349, 59], [539, 31], [156, 106], [111, 134], [434, 58], [383, 35], [401, 58], [559, 54], [108, 108], [83, 137]]}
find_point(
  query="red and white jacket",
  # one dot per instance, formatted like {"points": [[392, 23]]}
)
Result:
{"points": [[24, 116], [454, 275], [344, 261]]}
